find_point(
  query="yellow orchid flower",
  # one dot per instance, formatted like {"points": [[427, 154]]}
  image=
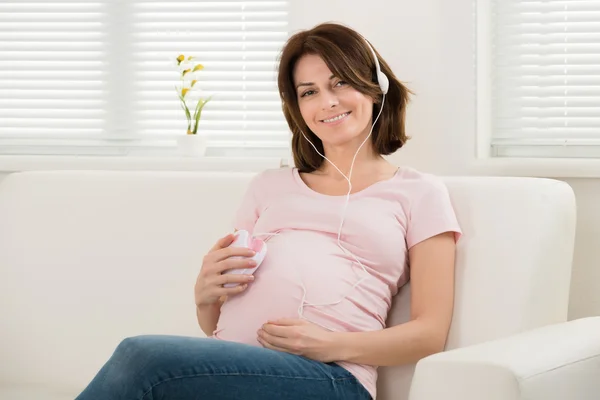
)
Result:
{"points": [[184, 91], [180, 59], [194, 82], [185, 71], [198, 67]]}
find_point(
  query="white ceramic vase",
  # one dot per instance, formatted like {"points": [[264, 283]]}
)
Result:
{"points": [[192, 145]]}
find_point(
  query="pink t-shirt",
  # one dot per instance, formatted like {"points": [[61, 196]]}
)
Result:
{"points": [[382, 223]]}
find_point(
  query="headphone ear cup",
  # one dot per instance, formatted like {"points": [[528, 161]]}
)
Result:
{"points": [[382, 79], [384, 82]]}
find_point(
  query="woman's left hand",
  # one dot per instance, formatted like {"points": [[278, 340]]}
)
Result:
{"points": [[300, 337]]}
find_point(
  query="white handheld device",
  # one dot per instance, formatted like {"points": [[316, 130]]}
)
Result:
{"points": [[243, 239]]}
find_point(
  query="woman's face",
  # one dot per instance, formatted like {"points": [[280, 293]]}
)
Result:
{"points": [[336, 112]]}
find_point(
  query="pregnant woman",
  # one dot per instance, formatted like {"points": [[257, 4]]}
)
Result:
{"points": [[344, 230]]}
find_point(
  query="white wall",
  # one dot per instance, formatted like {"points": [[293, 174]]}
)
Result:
{"points": [[585, 285], [430, 46]]}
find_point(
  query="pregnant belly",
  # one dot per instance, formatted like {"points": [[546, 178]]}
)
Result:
{"points": [[275, 293], [277, 290]]}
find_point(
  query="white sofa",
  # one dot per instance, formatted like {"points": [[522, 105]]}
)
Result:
{"points": [[88, 258]]}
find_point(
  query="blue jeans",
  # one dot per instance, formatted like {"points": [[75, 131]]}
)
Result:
{"points": [[161, 367]]}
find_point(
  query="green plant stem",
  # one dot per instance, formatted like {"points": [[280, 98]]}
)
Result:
{"points": [[185, 109], [198, 112]]}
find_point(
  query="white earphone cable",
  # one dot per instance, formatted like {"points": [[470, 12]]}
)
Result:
{"points": [[346, 251]]}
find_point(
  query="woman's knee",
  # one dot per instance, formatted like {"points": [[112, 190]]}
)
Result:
{"points": [[137, 351], [125, 373], [133, 344]]}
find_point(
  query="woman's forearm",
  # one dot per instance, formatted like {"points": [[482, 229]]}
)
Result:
{"points": [[402, 344], [208, 316]]}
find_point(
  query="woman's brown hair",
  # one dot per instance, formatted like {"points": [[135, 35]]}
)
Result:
{"points": [[350, 59]]}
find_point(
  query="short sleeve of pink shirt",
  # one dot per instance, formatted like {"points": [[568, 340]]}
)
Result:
{"points": [[431, 212], [303, 260], [248, 212]]}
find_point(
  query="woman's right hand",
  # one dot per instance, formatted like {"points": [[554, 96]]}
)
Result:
{"points": [[209, 284]]}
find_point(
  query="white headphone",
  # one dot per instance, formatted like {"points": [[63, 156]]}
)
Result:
{"points": [[382, 79], [384, 83]]}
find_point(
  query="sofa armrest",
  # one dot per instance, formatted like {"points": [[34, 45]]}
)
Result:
{"points": [[555, 362]]}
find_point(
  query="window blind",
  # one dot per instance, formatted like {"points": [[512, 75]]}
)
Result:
{"points": [[53, 76], [98, 77], [545, 78]]}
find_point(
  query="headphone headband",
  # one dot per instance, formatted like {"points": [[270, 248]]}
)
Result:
{"points": [[382, 79]]}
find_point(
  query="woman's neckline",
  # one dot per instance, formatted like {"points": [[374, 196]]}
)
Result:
{"points": [[310, 190]]}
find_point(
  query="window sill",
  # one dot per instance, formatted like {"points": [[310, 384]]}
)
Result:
{"points": [[18, 163], [537, 167]]}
